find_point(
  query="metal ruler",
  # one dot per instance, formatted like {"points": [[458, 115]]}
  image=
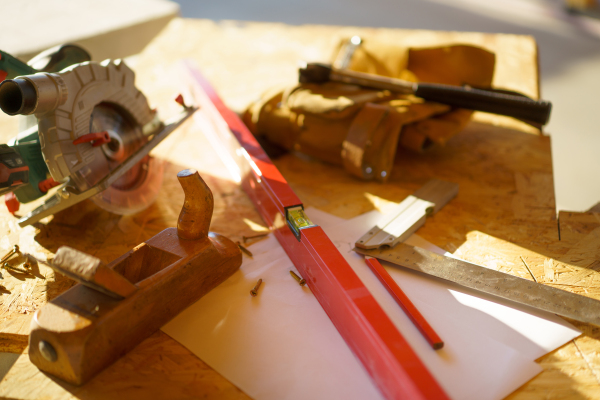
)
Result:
{"points": [[523, 291]]}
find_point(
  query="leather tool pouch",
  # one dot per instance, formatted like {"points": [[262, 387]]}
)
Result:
{"points": [[361, 128]]}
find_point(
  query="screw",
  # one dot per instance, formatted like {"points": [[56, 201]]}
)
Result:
{"points": [[246, 238], [22, 271], [301, 281], [254, 291], [8, 255], [245, 250]]}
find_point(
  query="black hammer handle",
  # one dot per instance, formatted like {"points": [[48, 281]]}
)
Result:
{"points": [[520, 107]]}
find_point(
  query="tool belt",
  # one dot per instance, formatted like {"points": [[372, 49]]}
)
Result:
{"points": [[361, 128]]}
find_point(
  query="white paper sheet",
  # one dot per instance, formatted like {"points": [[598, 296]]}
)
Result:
{"points": [[277, 345], [282, 345], [532, 332]]}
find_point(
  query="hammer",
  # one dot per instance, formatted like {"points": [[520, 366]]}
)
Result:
{"points": [[512, 104]]}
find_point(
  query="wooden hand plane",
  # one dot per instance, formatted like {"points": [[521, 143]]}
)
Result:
{"points": [[118, 305]]}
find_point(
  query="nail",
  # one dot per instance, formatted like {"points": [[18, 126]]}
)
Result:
{"points": [[254, 291], [301, 281], [246, 238]]}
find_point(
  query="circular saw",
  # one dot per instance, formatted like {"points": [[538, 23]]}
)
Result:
{"points": [[93, 137]]}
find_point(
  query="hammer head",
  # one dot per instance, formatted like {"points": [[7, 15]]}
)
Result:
{"points": [[314, 73]]}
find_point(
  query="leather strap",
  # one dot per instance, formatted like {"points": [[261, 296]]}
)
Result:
{"points": [[359, 139]]}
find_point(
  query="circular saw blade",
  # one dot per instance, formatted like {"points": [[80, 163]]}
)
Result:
{"points": [[137, 188]]}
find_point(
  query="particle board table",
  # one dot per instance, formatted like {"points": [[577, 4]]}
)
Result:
{"points": [[504, 215]]}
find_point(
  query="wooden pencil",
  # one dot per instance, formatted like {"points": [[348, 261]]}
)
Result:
{"points": [[403, 301]]}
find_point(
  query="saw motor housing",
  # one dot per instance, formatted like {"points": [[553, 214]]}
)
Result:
{"points": [[75, 107], [27, 181], [64, 108]]}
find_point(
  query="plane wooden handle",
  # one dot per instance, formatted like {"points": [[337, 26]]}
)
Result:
{"points": [[196, 213]]}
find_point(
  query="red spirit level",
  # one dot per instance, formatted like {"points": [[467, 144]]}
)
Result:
{"points": [[370, 334]]}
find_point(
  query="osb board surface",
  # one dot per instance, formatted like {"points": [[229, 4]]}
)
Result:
{"points": [[158, 368], [243, 59], [503, 216]]}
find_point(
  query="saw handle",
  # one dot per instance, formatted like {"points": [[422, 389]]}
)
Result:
{"points": [[535, 112], [196, 213], [58, 58]]}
